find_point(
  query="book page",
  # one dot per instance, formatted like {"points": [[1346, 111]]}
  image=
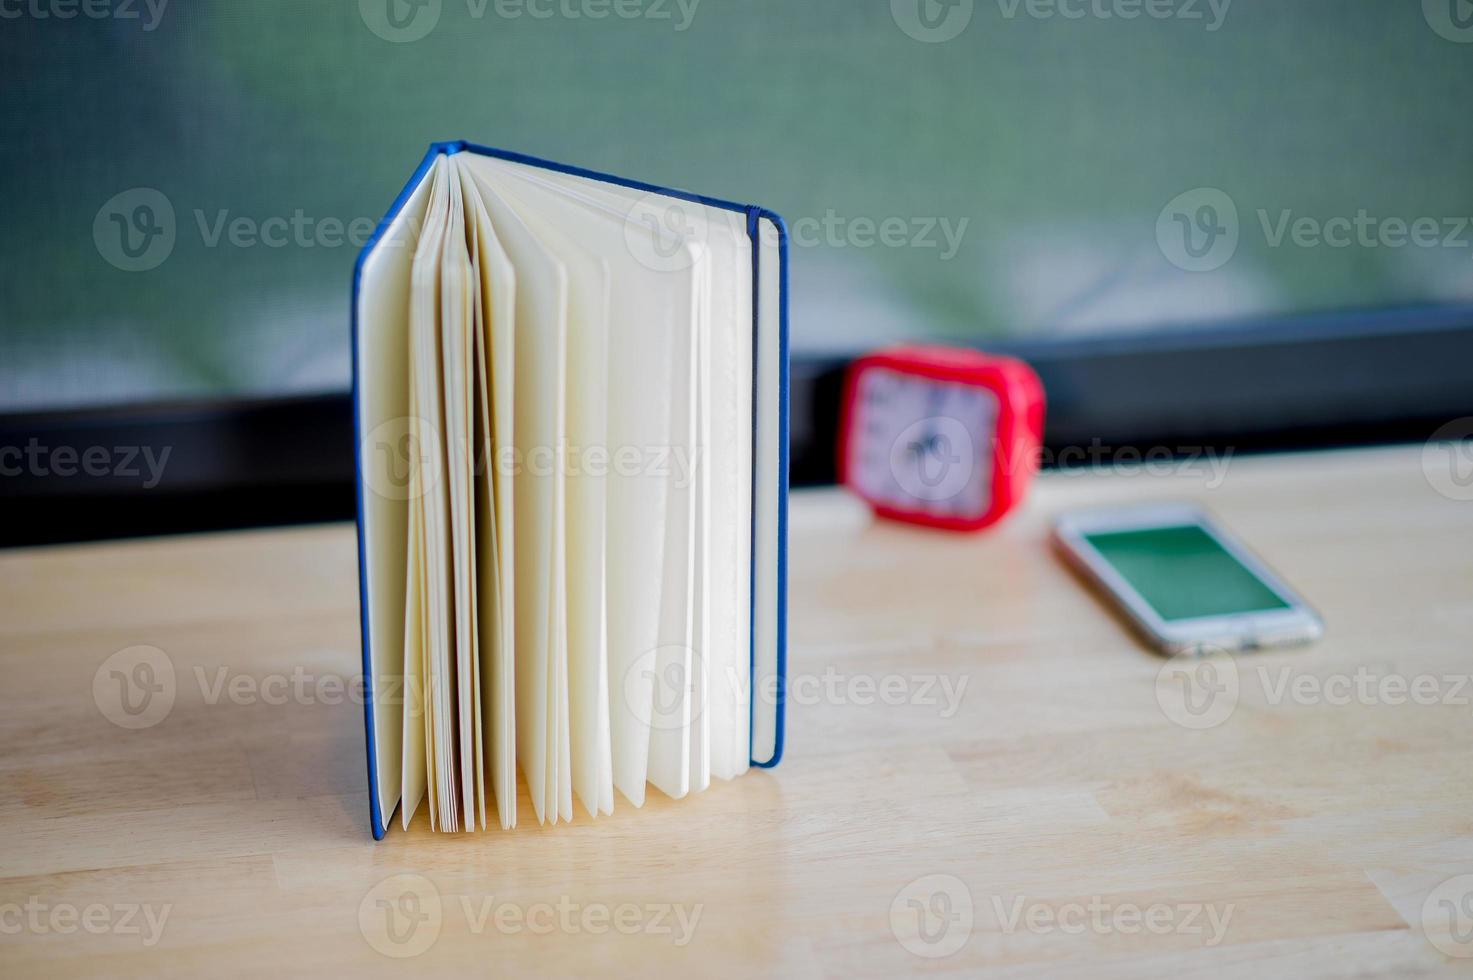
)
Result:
{"points": [[648, 320], [427, 417], [723, 607], [538, 429], [561, 226], [413, 692], [456, 358], [495, 378]]}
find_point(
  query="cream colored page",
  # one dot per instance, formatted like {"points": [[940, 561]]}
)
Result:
{"points": [[483, 537], [672, 669], [429, 419], [488, 611], [426, 716], [503, 396], [457, 360], [727, 541], [495, 380], [540, 332], [558, 224], [413, 761], [646, 316], [728, 453], [675, 666], [415, 439]]}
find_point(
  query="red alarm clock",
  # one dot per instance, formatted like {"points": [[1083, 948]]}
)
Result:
{"points": [[940, 436]]}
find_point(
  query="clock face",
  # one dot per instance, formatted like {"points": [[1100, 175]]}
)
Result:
{"points": [[922, 445]]}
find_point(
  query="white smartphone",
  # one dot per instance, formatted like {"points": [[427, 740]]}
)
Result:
{"points": [[1182, 580]]}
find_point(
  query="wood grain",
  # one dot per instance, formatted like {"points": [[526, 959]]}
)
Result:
{"points": [[965, 709]]}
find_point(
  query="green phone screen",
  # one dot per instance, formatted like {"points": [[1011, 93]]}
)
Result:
{"points": [[1183, 573]]}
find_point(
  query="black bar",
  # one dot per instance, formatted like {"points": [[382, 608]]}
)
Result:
{"points": [[1312, 382]]}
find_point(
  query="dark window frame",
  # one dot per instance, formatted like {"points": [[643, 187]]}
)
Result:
{"points": [[1360, 378]]}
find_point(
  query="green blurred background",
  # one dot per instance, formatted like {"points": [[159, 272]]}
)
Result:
{"points": [[1057, 141]]}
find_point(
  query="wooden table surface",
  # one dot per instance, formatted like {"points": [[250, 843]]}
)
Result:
{"points": [[983, 769]]}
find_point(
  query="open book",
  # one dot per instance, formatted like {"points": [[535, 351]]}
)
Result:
{"points": [[570, 396]]}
